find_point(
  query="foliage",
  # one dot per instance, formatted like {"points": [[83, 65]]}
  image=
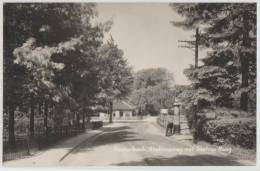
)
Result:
{"points": [[152, 77], [21, 122], [37, 61], [115, 76], [241, 131], [48, 23], [212, 84], [153, 90], [229, 30], [44, 26], [55, 60]]}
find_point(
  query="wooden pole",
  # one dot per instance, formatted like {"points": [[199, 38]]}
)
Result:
{"points": [[191, 45], [195, 136], [196, 47]]}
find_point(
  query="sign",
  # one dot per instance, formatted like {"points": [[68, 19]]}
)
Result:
{"points": [[164, 111]]}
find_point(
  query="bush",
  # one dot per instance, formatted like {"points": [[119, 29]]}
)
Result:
{"points": [[96, 124], [237, 131], [21, 122]]}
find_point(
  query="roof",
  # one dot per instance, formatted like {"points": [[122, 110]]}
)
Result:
{"points": [[122, 105]]}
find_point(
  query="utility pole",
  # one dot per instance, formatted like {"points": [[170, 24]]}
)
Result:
{"points": [[193, 45], [196, 47]]}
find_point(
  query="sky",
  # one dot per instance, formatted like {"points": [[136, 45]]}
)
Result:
{"points": [[144, 32]]}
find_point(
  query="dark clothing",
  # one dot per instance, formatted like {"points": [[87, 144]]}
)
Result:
{"points": [[169, 127]]}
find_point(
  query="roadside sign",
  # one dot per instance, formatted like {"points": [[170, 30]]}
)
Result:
{"points": [[164, 111]]}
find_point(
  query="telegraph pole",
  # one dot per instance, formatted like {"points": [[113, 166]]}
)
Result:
{"points": [[196, 47], [193, 45]]}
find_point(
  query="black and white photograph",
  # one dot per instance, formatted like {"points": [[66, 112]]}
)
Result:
{"points": [[94, 84]]}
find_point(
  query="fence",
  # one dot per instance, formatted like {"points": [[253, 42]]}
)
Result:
{"points": [[25, 145], [162, 120], [185, 121], [11, 152]]}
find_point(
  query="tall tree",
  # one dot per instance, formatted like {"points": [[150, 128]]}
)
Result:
{"points": [[116, 76], [16, 30], [36, 76], [226, 28]]}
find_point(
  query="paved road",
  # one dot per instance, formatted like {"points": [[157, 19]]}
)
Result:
{"points": [[140, 143]]}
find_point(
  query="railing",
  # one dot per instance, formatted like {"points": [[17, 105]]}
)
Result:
{"points": [[162, 120], [26, 144], [184, 127], [11, 152]]}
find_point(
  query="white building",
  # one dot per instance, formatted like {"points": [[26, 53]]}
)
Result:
{"points": [[121, 111]]}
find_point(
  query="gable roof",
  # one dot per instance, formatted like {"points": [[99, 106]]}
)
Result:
{"points": [[122, 105]]}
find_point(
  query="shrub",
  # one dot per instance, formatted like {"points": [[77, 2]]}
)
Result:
{"points": [[237, 131], [21, 122]]}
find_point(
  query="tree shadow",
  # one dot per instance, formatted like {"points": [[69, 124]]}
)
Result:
{"points": [[110, 136], [184, 160], [121, 128]]}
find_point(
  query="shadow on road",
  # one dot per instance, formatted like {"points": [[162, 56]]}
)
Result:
{"points": [[121, 128], [185, 160], [110, 136]]}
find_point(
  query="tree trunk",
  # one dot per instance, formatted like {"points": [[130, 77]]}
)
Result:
{"points": [[83, 118], [110, 112], [244, 64], [40, 108], [140, 112], [195, 123], [11, 138], [244, 84], [40, 111], [77, 120], [46, 115], [32, 117]]}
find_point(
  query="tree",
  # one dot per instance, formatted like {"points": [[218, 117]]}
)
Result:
{"points": [[37, 61], [229, 29], [16, 30], [58, 38], [115, 76], [153, 90]]}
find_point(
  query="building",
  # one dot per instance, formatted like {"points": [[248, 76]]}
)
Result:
{"points": [[122, 111]]}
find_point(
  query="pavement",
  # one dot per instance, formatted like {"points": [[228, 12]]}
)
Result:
{"points": [[128, 144], [53, 155]]}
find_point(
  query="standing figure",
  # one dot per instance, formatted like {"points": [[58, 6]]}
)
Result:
{"points": [[169, 128]]}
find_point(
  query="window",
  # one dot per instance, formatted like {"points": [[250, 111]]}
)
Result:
{"points": [[121, 113], [114, 114]]}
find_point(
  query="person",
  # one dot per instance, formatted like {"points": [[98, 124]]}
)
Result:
{"points": [[169, 127]]}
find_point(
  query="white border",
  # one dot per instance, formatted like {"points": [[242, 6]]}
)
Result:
{"points": [[138, 1], [180, 168]]}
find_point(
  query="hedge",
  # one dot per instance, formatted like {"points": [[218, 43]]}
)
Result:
{"points": [[237, 131]]}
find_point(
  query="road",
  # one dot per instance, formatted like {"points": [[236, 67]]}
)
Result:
{"points": [[141, 144]]}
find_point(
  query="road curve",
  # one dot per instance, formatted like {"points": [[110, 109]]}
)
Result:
{"points": [[140, 144]]}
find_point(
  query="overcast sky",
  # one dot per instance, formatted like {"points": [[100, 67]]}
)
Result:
{"points": [[148, 39]]}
